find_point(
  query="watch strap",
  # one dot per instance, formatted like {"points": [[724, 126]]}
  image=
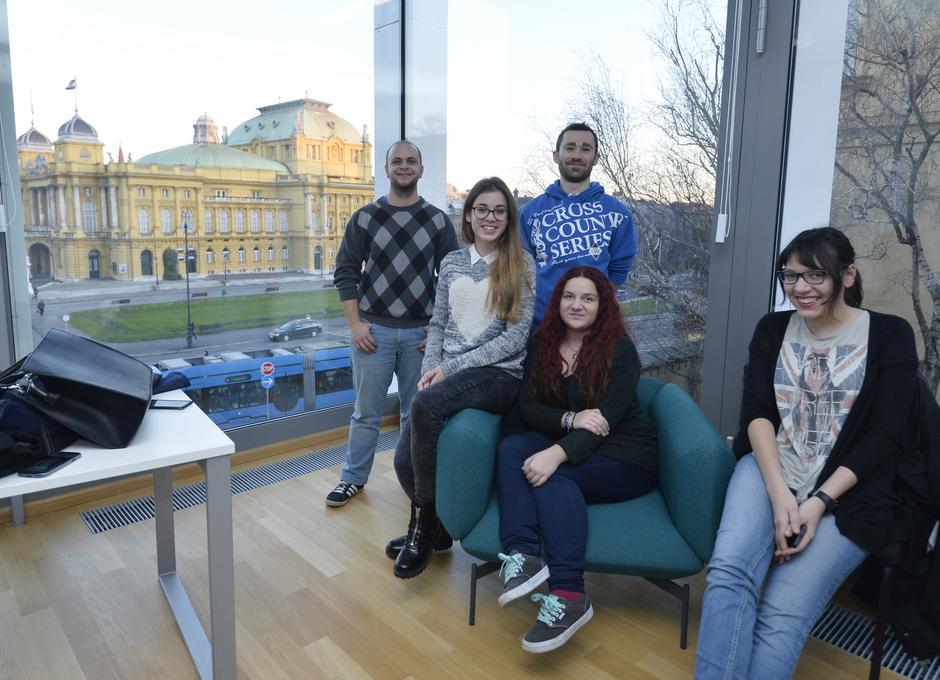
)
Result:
{"points": [[830, 503]]}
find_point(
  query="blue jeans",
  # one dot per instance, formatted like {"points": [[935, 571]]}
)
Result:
{"points": [[556, 512], [397, 353], [483, 387], [746, 633]]}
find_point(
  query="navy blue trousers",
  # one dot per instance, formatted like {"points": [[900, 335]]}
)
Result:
{"points": [[556, 512]]}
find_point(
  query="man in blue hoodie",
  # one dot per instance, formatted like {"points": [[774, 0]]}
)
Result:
{"points": [[574, 223]]}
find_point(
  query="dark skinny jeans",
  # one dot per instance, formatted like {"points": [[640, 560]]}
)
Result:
{"points": [[485, 388], [556, 512]]}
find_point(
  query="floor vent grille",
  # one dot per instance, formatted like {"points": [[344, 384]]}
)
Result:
{"points": [[136, 510], [854, 632]]}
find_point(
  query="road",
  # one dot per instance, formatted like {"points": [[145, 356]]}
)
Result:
{"points": [[64, 299]]}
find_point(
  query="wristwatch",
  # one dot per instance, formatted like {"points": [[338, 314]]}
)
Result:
{"points": [[830, 502]]}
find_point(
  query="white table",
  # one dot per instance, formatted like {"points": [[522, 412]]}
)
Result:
{"points": [[168, 438]]}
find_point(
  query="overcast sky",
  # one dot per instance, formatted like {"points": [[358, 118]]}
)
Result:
{"points": [[147, 70]]}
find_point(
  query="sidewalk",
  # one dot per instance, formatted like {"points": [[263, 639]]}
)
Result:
{"points": [[103, 288]]}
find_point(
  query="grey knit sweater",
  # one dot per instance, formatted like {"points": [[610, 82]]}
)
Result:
{"points": [[463, 333]]}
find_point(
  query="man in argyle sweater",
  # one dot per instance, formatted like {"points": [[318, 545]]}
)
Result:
{"points": [[386, 274]]}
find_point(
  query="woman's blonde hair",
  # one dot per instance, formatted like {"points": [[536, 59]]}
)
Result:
{"points": [[508, 276]]}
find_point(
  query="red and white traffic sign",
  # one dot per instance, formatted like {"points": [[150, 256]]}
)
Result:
{"points": [[267, 368]]}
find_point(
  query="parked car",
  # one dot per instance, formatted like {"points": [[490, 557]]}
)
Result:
{"points": [[297, 328]]}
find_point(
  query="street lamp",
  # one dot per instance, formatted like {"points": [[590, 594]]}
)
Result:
{"points": [[190, 327]]}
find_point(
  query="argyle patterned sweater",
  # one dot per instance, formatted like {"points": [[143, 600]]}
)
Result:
{"points": [[389, 259]]}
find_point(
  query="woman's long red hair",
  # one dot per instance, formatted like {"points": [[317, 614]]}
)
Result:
{"points": [[596, 356]]}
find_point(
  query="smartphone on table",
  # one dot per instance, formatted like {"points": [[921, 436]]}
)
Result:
{"points": [[46, 466], [174, 404]]}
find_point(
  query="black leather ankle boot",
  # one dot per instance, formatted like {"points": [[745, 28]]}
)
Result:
{"points": [[394, 546], [423, 533]]}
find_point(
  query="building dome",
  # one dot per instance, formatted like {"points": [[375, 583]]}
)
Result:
{"points": [[78, 128], [298, 118], [205, 130], [205, 155], [33, 139]]}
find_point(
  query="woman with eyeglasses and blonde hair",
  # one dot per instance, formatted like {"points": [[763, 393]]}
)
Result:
{"points": [[828, 392], [477, 338]]}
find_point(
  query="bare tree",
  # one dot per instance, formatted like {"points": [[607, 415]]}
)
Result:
{"points": [[889, 122], [671, 192]]}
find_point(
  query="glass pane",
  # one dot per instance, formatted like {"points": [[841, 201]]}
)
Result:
{"points": [[649, 83], [888, 161], [186, 205]]}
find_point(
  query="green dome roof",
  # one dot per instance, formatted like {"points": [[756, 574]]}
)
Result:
{"points": [[210, 156], [306, 117]]}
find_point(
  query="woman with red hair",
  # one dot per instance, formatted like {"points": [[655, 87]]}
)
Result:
{"points": [[588, 442]]}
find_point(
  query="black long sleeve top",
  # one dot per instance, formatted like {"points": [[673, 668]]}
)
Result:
{"points": [[875, 433], [632, 438]]}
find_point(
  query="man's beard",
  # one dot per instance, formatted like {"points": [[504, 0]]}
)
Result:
{"points": [[412, 183], [575, 174]]}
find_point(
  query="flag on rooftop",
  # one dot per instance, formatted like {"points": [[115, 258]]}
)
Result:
{"points": [[73, 83]]}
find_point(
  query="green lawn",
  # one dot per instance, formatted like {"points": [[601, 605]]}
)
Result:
{"points": [[641, 306], [133, 323]]}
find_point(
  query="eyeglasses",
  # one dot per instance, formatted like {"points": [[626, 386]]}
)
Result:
{"points": [[813, 277], [481, 212]]}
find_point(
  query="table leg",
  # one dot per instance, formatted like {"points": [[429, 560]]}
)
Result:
{"points": [[18, 511], [163, 518], [221, 565]]}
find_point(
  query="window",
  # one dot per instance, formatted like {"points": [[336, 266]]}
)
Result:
{"points": [[240, 221], [90, 217], [283, 218], [270, 253], [210, 256], [166, 221], [186, 193], [256, 254], [256, 194], [165, 193], [207, 221], [284, 252], [188, 221], [287, 151], [269, 221], [141, 192], [225, 255], [223, 221], [329, 221], [241, 254], [255, 220], [143, 220], [221, 193]]}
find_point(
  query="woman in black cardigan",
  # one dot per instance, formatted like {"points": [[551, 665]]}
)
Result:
{"points": [[828, 393], [589, 442]]}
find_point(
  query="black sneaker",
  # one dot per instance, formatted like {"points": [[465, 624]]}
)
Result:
{"points": [[557, 621], [521, 575], [342, 493]]}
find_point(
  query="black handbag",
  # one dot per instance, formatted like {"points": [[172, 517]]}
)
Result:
{"points": [[95, 391]]}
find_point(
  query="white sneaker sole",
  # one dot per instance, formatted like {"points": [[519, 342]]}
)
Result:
{"points": [[555, 643], [524, 589]]}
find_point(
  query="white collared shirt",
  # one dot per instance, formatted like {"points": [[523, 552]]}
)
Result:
{"points": [[476, 257]]}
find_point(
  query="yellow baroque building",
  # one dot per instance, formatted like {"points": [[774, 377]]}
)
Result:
{"points": [[273, 196]]}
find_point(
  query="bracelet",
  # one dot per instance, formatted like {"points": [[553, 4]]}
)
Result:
{"points": [[830, 503], [569, 421]]}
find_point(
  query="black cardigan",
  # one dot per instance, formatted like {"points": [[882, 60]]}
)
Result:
{"points": [[875, 433], [632, 438]]}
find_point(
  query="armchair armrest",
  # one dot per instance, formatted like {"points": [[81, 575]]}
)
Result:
{"points": [[695, 466], [466, 465]]}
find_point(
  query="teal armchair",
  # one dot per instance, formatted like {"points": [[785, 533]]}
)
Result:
{"points": [[666, 534]]}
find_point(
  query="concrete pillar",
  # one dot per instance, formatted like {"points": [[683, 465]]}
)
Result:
{"points": [[41, 196], [103, 200], [63, 211], [77, 201]]}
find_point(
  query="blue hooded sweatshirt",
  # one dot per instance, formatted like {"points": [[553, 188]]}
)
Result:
{"points": [[562, 232]]}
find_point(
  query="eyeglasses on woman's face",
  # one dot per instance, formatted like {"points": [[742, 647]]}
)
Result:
{"points": [[481, 212], [813, 277]]}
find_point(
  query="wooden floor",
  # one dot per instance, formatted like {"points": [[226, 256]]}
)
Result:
{"points": [[315, 598]]}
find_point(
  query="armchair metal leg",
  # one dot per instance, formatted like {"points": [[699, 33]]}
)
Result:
{"points": [[478, 571], [878, 643], [682, 593]]}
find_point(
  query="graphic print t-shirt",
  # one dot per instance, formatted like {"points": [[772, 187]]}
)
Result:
{"points": [[816, 382]]}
